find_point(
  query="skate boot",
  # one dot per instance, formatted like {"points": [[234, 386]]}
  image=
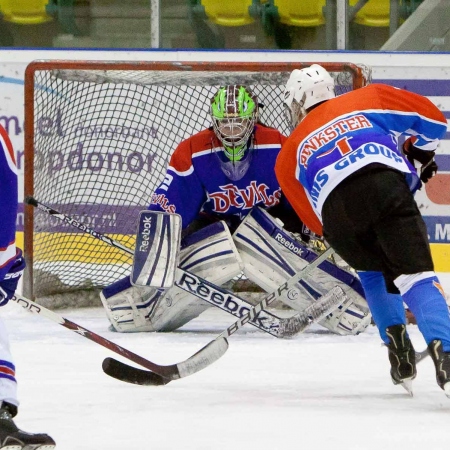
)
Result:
{"points": [[11, 438], [402, 357], [441, 361]]}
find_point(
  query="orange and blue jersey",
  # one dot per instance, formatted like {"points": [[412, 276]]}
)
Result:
{"points": [[9, 200], [195, 183], [346, 133]]}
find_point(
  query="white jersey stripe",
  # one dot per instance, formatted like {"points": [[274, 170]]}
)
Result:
{"points": [[7, 147], [181, 174], [217, 149], [7, 254]]}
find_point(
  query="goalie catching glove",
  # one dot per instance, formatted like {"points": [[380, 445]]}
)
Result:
{"points": [[9, 284], [429, 167]]}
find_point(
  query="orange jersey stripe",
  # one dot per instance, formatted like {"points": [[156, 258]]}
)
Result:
{"points": [[7, 371], [285, 171]]}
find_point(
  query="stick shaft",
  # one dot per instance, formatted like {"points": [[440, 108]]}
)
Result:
{"points": [[35, 308], [75, 223]]}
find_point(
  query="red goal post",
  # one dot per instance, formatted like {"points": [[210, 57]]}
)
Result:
{"points": [[98, 137]]}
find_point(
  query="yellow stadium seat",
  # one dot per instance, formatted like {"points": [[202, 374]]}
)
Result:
{"points": [[25, 12], [228, 13], [375, 13], [303, 13]]}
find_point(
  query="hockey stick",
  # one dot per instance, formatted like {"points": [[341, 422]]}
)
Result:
{"points": [[35, 308], [420, 356], [315, 312], [207, 355], [216, 348], [130, 374], [193, 284], [301, 321]]}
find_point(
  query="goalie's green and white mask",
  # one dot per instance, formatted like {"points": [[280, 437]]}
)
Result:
{"points": [[234, 112]]}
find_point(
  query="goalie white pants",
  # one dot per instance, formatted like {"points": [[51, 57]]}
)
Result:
{"points": [[271, 256], [209, 253]]}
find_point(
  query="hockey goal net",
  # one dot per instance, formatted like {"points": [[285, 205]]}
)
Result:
{"points": [[98, 139]]}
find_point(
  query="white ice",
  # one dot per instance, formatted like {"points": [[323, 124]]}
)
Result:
{"points": [[316, 391]]}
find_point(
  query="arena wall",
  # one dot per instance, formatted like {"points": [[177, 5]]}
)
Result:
{"points": [[425, 73]]}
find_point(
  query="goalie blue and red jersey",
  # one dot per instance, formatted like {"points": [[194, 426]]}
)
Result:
{"points": [[9, 200], [195, 182], [349, 132]]}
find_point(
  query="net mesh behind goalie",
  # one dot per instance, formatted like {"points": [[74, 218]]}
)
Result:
{"points": [[98, 140]]}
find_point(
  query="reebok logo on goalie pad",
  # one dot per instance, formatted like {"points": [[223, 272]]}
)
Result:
{"points": [[288, 244], [191, 283], [145, 234], [196, 286]]}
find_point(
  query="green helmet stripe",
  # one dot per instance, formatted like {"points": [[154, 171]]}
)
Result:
{"points": [[245, 102], [235, 153]]}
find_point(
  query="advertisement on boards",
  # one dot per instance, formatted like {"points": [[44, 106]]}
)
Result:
{"points": [[433, 199]]}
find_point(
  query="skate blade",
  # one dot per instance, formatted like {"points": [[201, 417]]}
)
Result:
{"points": [[406, 384], [447, 389]]}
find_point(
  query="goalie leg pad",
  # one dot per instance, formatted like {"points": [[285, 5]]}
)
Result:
{"points": [[271, 255], [209, 253], [129, 307]]}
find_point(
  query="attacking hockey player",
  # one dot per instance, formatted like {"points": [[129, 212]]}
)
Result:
{"points": [[342, 169], [12, 265], [221, 181]]}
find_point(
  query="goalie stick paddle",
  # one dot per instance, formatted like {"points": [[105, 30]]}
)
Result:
{"points": [[195, 285], [216, 348]]}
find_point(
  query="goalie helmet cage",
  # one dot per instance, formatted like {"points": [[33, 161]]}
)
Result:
{"points": [[98, 137]]}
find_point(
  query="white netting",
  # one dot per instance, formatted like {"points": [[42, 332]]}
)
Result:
{"points": [[99, 143]]}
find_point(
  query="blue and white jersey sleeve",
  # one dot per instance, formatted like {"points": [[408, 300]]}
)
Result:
{"points": [[8, 204], [181, 193]]}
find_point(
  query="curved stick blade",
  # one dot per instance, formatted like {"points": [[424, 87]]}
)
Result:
{"points": [[199, 361], [130, 374]]}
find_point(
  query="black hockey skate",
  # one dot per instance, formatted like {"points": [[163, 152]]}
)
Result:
{"points": [[441, 361], [11, 438], [402, 357]]}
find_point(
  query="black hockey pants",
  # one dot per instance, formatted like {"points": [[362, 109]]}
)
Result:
{"points": [[372, 221]]}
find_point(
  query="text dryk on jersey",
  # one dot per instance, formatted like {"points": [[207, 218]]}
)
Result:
{"points": [[329, 133]]}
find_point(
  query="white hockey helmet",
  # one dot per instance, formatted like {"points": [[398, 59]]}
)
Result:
{"points": [[304, 89]]}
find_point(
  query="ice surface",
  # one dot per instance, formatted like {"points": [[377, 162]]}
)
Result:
{"points": [[316, 391]]}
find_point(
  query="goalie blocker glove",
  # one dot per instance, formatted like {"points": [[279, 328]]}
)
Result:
{"points": [[9, 284], [429, 167]]}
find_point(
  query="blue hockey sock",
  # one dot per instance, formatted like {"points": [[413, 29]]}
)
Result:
{"points": [[387, 309], [426, 301]]}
